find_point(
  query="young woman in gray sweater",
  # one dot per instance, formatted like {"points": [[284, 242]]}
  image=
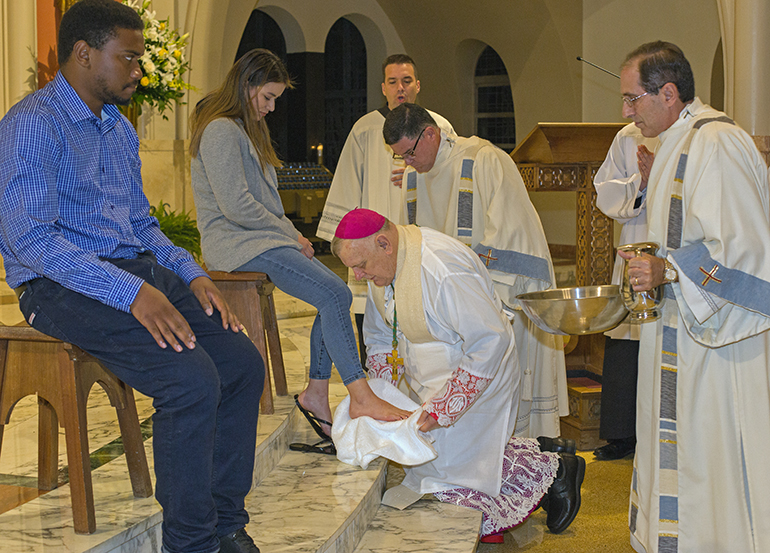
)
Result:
{"points": [[243, 228]]}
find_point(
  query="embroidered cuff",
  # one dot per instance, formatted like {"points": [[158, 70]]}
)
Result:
{"points": [[456, 397]]}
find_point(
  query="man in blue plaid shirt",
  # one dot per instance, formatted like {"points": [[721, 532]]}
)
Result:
{"points": [[91, 267]]}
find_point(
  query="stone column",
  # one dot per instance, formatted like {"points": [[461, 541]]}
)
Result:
{"points": [[746, 42], [18, 50], [752, 65]]}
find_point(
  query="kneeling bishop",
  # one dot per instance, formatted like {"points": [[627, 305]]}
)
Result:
{"points": [[432, 302]]}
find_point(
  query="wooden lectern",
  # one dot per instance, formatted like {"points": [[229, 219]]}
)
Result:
{"points": [[564, 157]]}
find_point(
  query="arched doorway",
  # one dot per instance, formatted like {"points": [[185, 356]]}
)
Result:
{"points": [[345, 86], [495, 118], [263, 32]]}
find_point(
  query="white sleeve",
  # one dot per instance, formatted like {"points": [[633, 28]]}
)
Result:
{"points": [[617, 181]]}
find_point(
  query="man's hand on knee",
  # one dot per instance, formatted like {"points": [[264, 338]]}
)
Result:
{"points": [[153, 310], [210, 297]]}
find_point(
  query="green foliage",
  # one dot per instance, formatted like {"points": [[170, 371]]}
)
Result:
{"points": [[163, 62], [180, 228]]}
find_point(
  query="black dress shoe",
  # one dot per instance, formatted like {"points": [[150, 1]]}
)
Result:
{"points": [[616, 449], [557, 445], [564, 493], [237, 542]]}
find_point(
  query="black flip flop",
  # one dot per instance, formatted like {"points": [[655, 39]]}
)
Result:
{"points": [[315, 448], [314, 422]]}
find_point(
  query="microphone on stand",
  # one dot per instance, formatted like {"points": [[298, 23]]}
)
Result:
{"points": [[598, 67]]}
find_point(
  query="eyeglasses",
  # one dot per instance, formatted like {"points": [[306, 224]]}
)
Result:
{"points": [[630, 101], [410, 152]]}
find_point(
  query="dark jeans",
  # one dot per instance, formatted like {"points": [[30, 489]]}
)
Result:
{"points": [[206, 399]]}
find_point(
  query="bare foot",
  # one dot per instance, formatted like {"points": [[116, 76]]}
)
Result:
{"points": [[315, 398], [364, 403]]}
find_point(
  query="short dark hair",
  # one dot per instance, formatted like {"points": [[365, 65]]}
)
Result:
{"points": [[398, 59], [407, 120], [660, 63], [96, 22]]}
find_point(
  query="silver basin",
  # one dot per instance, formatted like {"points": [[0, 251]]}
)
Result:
{"points": [[575, 311]]}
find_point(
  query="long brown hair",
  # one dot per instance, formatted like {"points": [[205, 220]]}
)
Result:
{"points": [[233, 100]]}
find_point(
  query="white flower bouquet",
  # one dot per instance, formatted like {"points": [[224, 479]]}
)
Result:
{"points": [[163, 62]]}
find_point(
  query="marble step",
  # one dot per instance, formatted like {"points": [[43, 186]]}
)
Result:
{"points": [[311, 503], [427, 525]]}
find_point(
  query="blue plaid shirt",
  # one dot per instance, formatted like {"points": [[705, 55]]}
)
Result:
{"points": [[71, 193]]}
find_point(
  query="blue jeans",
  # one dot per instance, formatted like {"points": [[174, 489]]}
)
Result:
{"points": [[206, 399], [332, 337]]}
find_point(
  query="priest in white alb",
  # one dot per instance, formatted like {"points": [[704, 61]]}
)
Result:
{"points": [[471, 190], [703, 411], [433, 316]]}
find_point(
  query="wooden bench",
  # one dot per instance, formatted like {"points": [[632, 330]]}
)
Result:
{"points": [[250, 296], [62, 375]]}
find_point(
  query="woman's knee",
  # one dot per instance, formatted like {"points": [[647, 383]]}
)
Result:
{"points": [[340, 292]]}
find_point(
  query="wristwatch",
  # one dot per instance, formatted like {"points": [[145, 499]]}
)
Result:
{"points": [[669, 273]]}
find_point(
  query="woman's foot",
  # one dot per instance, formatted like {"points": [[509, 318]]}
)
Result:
{"points": [[317, 403], [365, 403]]}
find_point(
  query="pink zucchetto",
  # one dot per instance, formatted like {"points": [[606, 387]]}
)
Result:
{"points": [[359, 223]]}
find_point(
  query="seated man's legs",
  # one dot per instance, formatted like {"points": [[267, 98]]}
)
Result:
{"points": [[206, 399]]}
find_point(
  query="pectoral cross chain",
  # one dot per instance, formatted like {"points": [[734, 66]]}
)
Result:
{"points": [[393, 358]]}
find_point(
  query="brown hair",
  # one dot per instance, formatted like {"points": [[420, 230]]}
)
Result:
{"points": [[660, 63], [233, 100], [398, 59], [406, 121]]}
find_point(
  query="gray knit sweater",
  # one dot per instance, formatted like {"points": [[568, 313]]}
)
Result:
{"points": [[240, 214]]}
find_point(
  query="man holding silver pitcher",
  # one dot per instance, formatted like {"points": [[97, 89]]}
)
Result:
{"points": [[703, 408]]}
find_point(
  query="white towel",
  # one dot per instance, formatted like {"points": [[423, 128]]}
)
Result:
{"points": [[359, 441]]}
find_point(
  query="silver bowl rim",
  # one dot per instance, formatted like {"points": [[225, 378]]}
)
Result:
{"points": [[573, 293]]}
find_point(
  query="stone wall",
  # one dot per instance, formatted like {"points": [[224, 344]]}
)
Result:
{"points": [[166, 173]]}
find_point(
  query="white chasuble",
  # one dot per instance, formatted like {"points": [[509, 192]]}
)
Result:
{"points": [[474, 192], [703, 403], [466, 328]]}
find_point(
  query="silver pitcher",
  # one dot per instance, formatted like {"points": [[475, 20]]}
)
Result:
{"points": [[644, 306]]}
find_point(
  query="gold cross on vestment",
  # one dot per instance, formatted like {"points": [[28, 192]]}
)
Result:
{"points": [[487, 257], [710, 275], [395, 361]]}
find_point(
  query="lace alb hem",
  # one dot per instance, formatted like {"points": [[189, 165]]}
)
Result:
{"points": [[527, 475]]}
